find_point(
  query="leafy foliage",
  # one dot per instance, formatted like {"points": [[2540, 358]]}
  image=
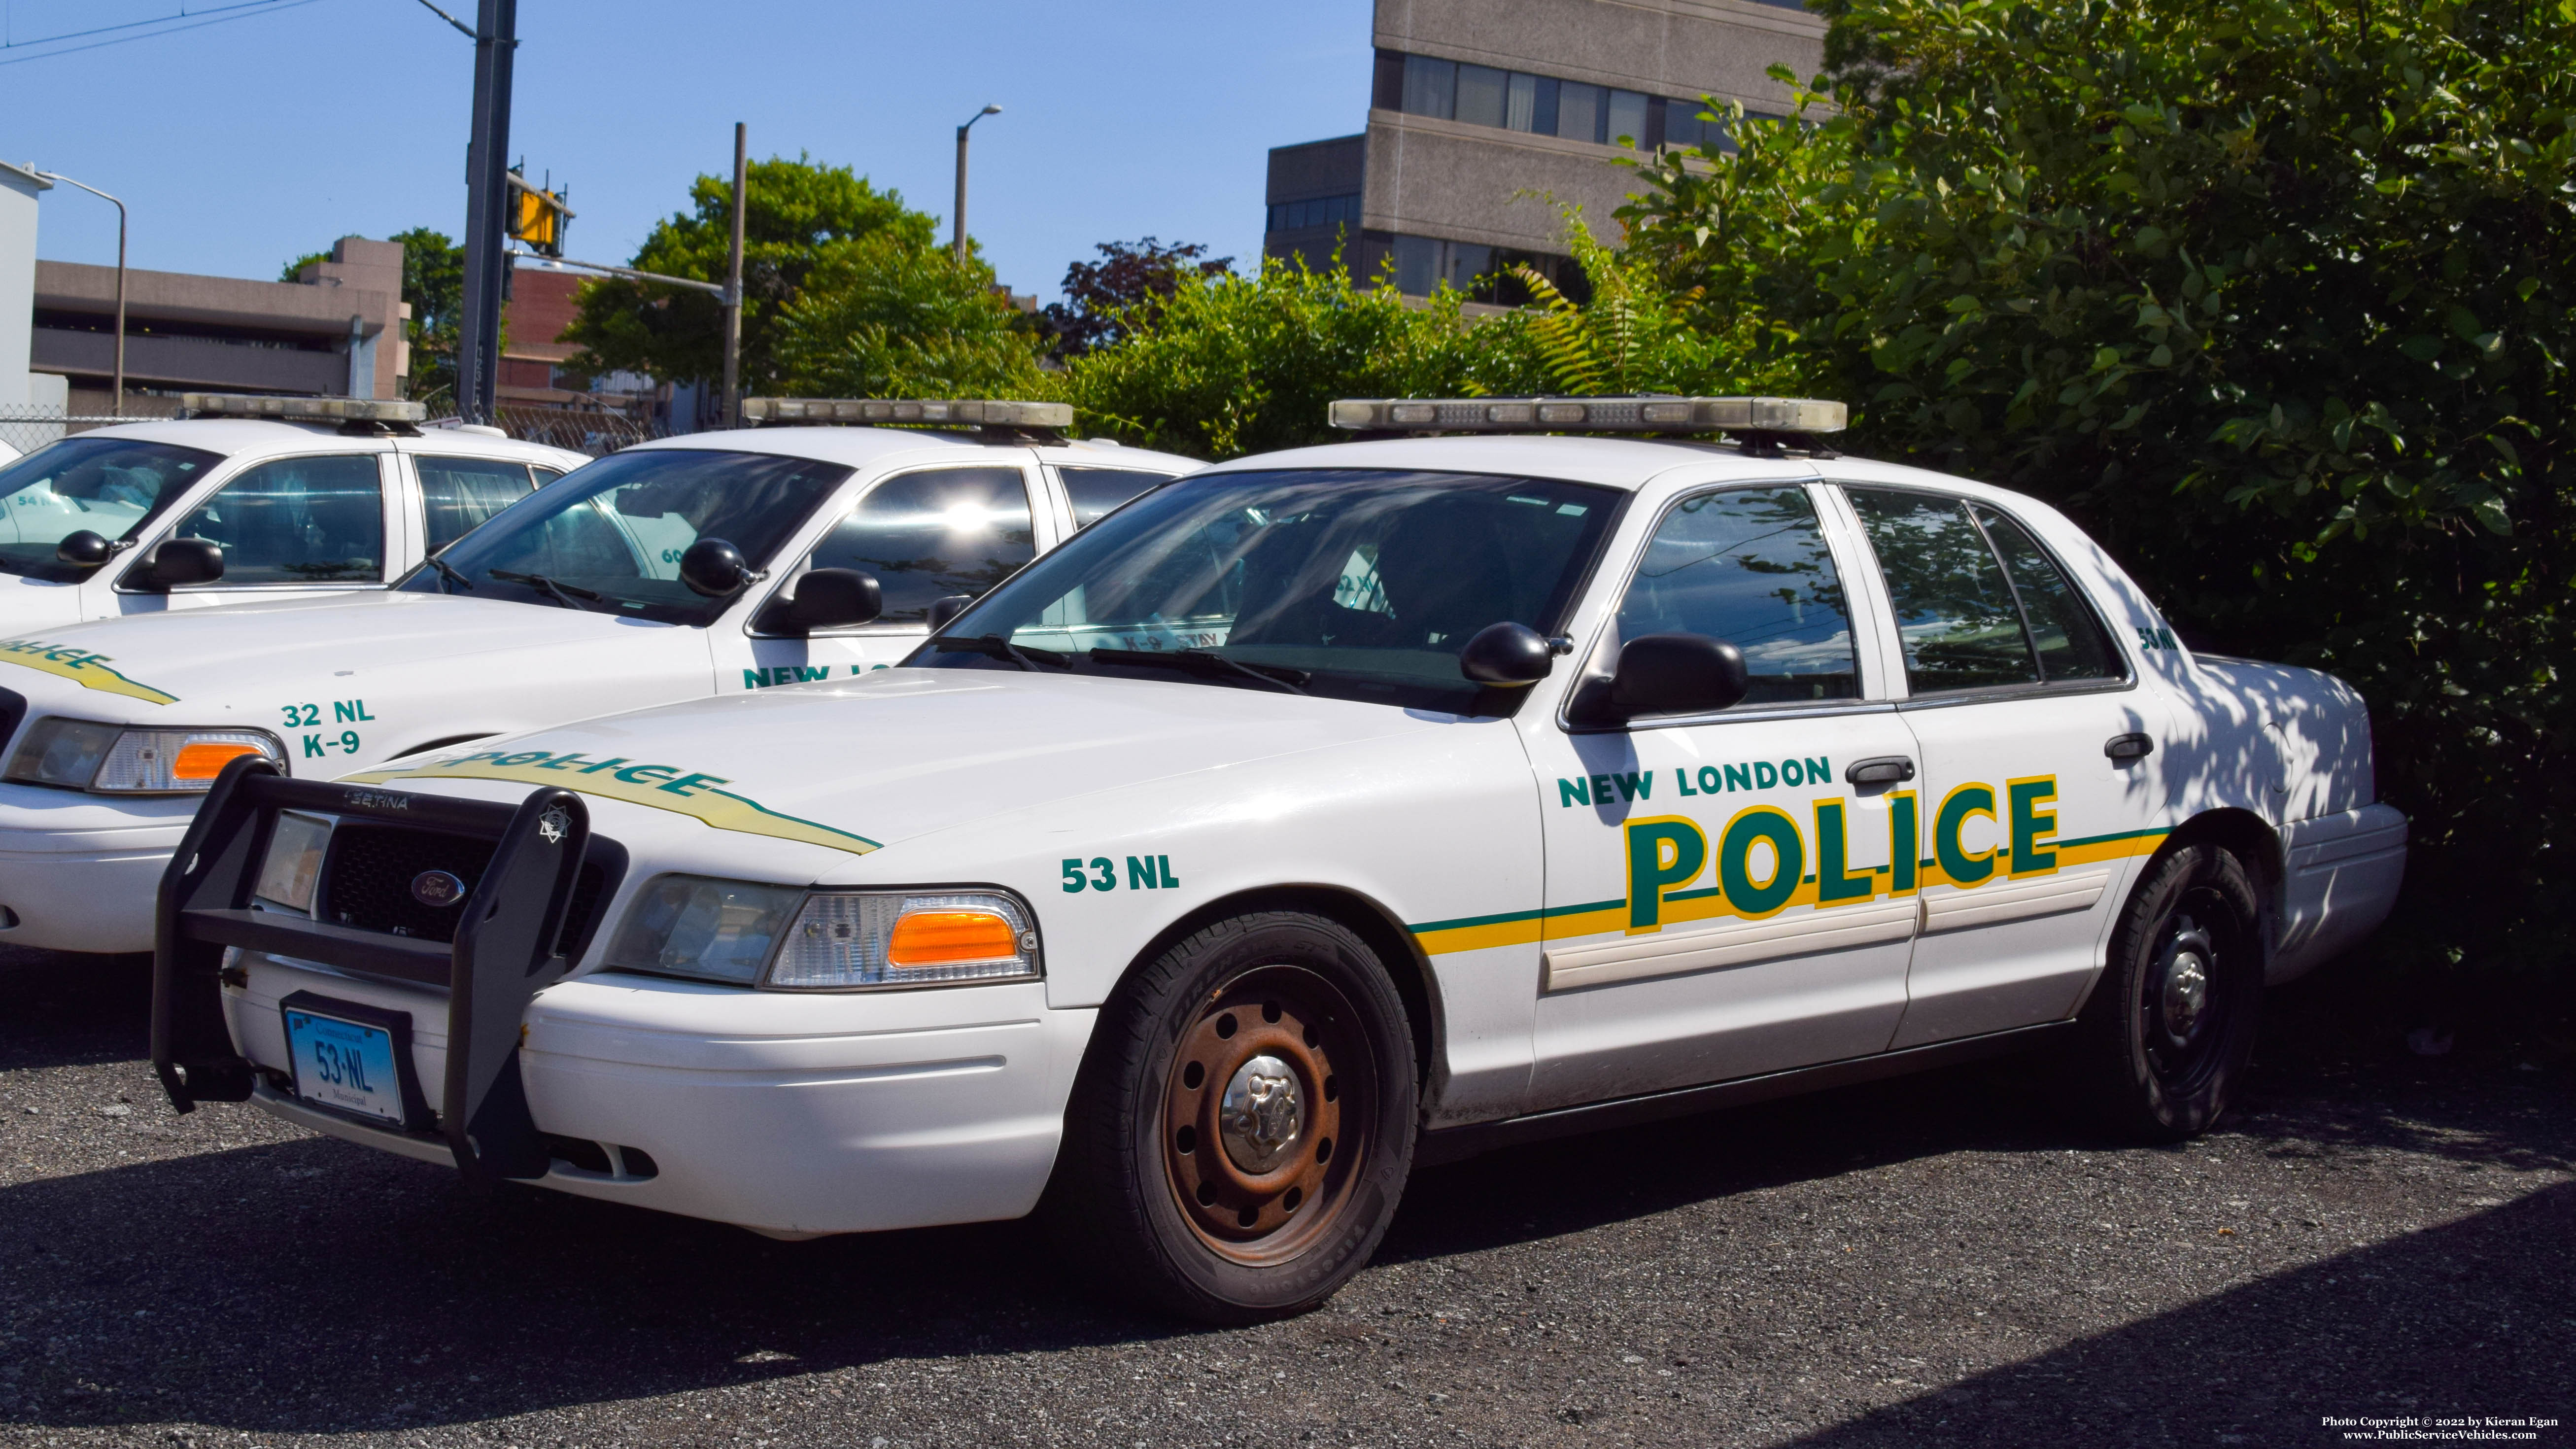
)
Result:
{"points": [[2273, 296], [883, 317], [1229, 363], [802, 216], [1130, 277]]}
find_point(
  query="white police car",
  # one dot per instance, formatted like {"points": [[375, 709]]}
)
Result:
{"points": [[1323, 813], [254, 498], [672, 570]]}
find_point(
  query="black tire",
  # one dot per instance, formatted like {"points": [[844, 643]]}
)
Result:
{"points": [[2169, 1029], [1297, 1012]]}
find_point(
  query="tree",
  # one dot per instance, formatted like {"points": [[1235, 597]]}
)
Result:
{"points": [[883, 316], [1226, 363], [1130, 277], [2275, 298], [802, 214]]}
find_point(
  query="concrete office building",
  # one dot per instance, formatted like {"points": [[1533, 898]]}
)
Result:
{"points": [[337, 330], [19, 189], [1486, 117]]}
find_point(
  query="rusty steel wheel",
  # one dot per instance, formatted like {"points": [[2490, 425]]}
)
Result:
{"points": [[1241, 1128], [1253, 1139]]}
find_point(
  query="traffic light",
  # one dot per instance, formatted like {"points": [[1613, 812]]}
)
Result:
{"points": [[537, 217]]}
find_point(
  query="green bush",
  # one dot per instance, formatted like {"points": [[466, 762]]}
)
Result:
{"points": [[2274, 298]]}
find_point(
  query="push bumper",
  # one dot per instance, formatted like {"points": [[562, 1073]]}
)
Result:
{"points": [[79, 873], [2340, 875]]}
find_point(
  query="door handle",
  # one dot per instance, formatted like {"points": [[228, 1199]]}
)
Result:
{"points": [[2121, 749], [1884, 770]]}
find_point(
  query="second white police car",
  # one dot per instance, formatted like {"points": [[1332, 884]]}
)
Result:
{"points": [[1321, 814], [713, 563]]}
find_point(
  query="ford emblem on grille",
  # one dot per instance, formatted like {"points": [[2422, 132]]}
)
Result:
{"points": [[435, 888]]}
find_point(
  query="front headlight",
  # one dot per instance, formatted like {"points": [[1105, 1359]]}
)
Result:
{"points": [[788, 940], [80, 755], [294, 861]]}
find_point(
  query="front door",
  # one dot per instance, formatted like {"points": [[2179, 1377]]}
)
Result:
{"points": [[2034, 820], [303, 525], [1722, 898], [925, 535]]}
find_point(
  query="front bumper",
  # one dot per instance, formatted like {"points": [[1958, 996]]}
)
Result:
{"points": [[79, 872], [791, 1115]]}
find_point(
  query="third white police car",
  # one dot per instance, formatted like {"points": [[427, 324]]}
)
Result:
{"points": [[251, 498], [713, 563], [1323, 813]]}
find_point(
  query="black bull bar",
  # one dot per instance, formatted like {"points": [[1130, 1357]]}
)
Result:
{"points": [[504, 953]]}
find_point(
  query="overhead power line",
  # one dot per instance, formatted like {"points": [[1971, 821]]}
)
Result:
{"points": [[169, 25]]}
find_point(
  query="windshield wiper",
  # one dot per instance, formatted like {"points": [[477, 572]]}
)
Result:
{"points": [[564, 594], [1203, 661], [447, 570], [994, 646]]}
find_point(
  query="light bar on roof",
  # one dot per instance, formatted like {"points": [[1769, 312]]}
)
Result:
{"points": [[333, 409], [955, 412], [1590, 415]]}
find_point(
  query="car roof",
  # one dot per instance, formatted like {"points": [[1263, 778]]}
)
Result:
{"points": [[860, 447], [231, 436]]}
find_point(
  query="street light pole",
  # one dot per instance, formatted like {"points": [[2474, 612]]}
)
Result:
{"points": [[957, 242], [733, 284], [116, 401]]}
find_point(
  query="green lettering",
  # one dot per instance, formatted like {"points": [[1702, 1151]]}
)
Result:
{"points": [[645, 774], [2029, 823], [603, 765], [1636, 785], [528, 758], [1765, 774], [1603, 792], [1904, 838], [1735, 861], [1956, 863], [1738, 778], [1140, 873], [1834, 881], [1681, 778], [755, 678], [1819, 769], [681, 785], [1661, 852], [1573, 792]]}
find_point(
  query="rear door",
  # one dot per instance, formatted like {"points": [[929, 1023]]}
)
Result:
{"points": [[1722, 899], [924, 533], [458, 493], [2035, 813], [1090, 491]]}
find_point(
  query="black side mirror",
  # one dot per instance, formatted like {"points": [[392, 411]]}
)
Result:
{"points": [[714, 568], [944, 609], [1507, 656], [84, 549], [826, 599], [1664, 674], [181, 561]]}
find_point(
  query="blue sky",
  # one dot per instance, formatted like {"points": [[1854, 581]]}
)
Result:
{"points": [[246, 142]]}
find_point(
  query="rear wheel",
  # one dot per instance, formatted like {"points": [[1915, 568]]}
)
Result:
{"points": [[1243, 1124], [2170, 1027]]}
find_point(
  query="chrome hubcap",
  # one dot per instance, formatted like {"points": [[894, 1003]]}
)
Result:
{"points": [[2182, 996], [1261, 1116]]}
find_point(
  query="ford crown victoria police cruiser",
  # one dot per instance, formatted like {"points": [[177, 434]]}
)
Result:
{"points": [[1320, 814], [255, 498], [716, 563]]}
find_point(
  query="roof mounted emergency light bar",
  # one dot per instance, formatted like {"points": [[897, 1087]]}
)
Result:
{"points": [[353, 414], [1044, 417], [1750, 418]]}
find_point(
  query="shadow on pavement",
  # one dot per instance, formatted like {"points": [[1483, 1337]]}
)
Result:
{"points": [[2472, 1318], [59, 1009]]}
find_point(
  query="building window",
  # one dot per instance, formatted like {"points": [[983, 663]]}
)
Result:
{"points": [[1512, 100], [1424, 264], [1315, 211], [1430, 87]]}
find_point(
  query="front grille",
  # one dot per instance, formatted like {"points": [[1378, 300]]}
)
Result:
{"points": [[367, 880]]}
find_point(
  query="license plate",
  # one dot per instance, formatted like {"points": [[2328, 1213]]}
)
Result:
{"points": [[345, 1064]]}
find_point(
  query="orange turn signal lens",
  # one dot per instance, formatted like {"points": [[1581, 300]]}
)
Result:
{"points": [[206, 761], [931, 938]]}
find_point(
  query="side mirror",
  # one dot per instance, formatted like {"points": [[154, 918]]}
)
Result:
{"points": [[1664, 674], [84, 549], [944, 609], [714, 568], [1507, 656], [181, 561], [826, 599]]}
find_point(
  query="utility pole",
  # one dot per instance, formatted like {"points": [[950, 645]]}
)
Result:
{"points": [[957, 242], [733, 283], [487, 207]]}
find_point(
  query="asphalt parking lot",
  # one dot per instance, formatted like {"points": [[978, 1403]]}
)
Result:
{"points": [[1937, 1261]]}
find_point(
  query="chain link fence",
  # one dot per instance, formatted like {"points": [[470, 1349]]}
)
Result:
{"points": [[27, 429], [595, 431]]}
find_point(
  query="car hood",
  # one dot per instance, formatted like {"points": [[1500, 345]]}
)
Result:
{"points": [[140, 665], [897, 754]]}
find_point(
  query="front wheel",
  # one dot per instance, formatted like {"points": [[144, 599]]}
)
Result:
{"points": [[1243, 1124], [2170, 1027]]}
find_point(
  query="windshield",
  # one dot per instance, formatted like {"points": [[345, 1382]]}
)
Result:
{"points": [[109, 486], [1350, 583], [609, 536]]}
